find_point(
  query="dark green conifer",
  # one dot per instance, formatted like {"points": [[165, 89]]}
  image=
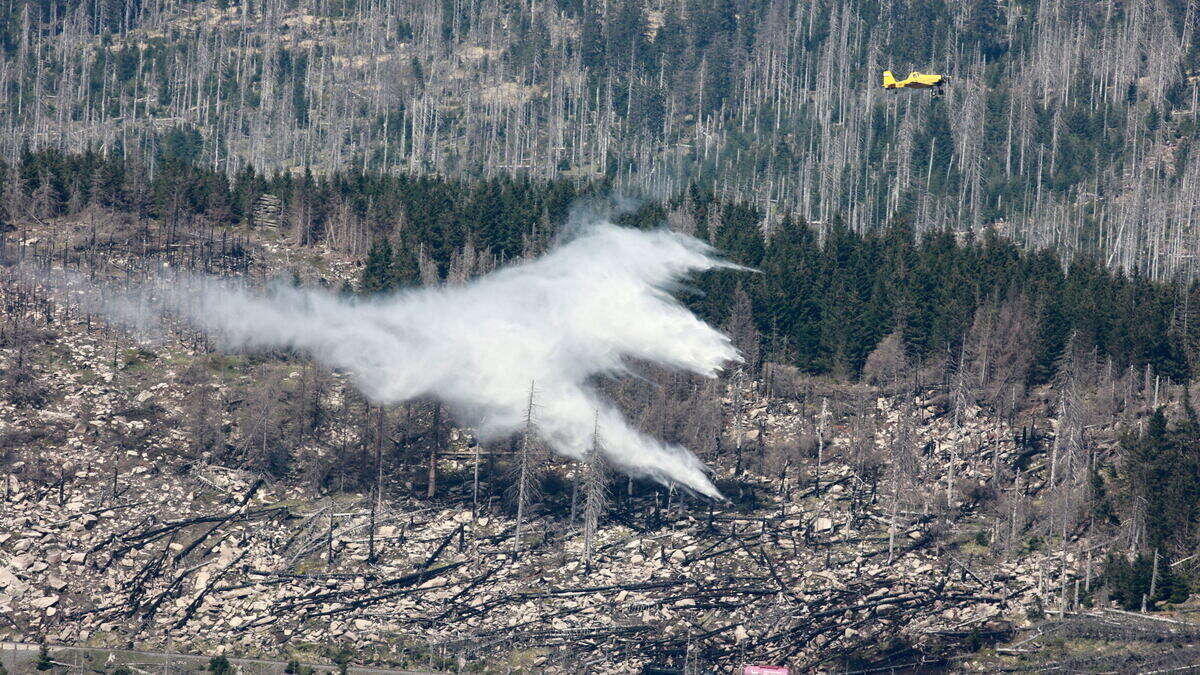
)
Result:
{"points": [[378, 274]]}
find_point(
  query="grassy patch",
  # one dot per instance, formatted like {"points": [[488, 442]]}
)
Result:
{"points": [[136, 359]]}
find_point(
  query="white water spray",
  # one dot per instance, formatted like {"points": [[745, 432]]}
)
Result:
{"points": [[584, 309]]}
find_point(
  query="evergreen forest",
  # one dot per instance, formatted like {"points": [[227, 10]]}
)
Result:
{"points": [[821, 298]]}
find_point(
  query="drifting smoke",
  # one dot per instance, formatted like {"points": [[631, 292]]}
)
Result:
{"points": [[586, 308]]}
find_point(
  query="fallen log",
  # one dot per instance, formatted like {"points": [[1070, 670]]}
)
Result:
{"points": [[199, 540], [441, 547], [366, 602], [212, 583]]}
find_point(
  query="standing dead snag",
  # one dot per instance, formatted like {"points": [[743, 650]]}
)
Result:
{"points": [[431, 484], [377, 496], [958, 406], [903, 464], [735, 385], [526, 485], [820, 429], [329, 536], [595, 496], [475, 486]]}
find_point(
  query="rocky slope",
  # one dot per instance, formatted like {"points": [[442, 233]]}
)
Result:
{"points": [[114, 533]]}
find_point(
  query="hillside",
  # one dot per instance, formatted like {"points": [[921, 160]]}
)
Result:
{"points": [[161, 494], [120, 530], [603, 336], [1067, 123]]}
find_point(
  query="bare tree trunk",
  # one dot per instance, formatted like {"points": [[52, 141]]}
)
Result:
{"points": [[1154, 576], [595, 496], [475, 485], [1016, 496], [820, 429], [736, 403], [893, 525], [525, 473], [378, 496], [329, 537], [431, 485]]}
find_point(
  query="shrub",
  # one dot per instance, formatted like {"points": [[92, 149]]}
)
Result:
{"points": [[23, 388], [220, 665], [44, 661]]}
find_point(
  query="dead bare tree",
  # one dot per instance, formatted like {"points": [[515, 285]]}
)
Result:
{"points": [[821, 427], [434, 447], [595, 495], [377, 490], [527, 483], [958, 410], [903, 463], [887, 364], [201, 418], [1070, 461], [741, 329], [262, 434], [998, 351]]}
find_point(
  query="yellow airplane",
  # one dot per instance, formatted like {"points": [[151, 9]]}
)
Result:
{"points": [[914, 80]]}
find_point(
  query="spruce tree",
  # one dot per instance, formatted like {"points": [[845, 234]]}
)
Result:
{"points": [[405, 270], [985, 28], [592, 40], [789, 290], [378, 275]]}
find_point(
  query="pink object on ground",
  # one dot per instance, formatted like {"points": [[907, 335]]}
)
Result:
{"points": [[766, 670]]}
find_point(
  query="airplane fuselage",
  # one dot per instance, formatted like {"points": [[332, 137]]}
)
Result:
{"points": [[914, 80]]}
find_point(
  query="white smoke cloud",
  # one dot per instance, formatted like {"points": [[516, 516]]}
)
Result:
{"points": [[586, 308]]}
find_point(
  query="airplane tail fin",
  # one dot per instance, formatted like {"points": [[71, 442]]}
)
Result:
{"points": [[889, 80]]}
